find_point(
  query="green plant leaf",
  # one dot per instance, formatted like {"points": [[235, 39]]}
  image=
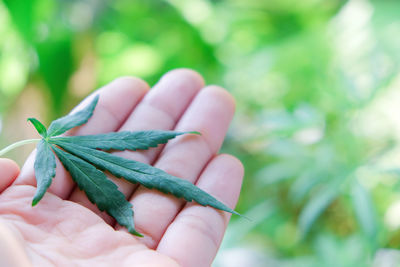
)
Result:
{"points": [[39, 127], [45, 169], [148, 176], [364, 210], [122, 140], [85, 163], [306, 181], [317, 204], [70, 121], [99, 189]]}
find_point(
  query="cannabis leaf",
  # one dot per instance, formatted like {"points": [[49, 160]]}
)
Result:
{"points": [[99, 189], [70, 121], [148, 176], [45, 169], [83, 157], [39, 127], [122, 140]]}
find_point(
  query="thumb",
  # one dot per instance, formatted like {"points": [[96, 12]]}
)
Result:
{"points": [[9, 170], [12, 252]]}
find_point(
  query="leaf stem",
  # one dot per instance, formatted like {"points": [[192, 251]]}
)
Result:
{"points": [[17, 144]]}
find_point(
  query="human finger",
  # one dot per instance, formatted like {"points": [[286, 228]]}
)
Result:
{"points": [[210, 114], [160, 109], [193, 238], [12, 252], [9, 170]]}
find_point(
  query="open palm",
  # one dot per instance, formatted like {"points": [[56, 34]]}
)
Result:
{"points": [[65, 229]]}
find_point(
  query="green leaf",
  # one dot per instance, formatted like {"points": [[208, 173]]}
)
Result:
{"points": [[82, 151], [364, 210], [306, 181], [317, 205], [148, 176], [39, 127], [68, 122], [45, 169], [99, 189], [122, 140]]}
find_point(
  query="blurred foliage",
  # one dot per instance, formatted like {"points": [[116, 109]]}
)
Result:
{"points": [[318, 120]]}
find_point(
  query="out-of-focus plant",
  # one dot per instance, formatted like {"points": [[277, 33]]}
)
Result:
{"points": [[316, 148], [78, 44]]}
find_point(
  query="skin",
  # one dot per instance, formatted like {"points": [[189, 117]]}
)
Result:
{"points": [[65, 229]]}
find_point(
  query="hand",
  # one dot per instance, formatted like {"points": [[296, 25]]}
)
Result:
{"points": [[65, 229]]}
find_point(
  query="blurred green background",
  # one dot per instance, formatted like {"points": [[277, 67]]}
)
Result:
{"points": [[318, 106]]}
